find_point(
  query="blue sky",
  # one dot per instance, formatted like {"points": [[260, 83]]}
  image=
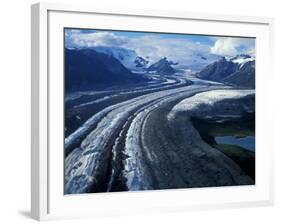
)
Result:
{"points": [[177, 47], [135, 34]]}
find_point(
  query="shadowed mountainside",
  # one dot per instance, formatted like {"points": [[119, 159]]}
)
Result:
{"points": [[85, 69], [231, 73], [245, 77]]}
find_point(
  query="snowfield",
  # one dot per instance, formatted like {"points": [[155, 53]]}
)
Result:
{"points": [[208, 98]]}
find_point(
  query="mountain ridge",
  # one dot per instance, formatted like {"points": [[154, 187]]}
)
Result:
{"points": [[162, 67], [238, 71]]}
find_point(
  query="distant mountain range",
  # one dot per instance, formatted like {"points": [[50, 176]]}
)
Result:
{"points": [[238, 71], [87, 68], [93, 67], [134, 62]]}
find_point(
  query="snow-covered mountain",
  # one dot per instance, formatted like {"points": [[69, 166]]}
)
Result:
{"points": [[209, 66], [127, 57], [242, 59], [134, 62], [244, 77], [140, 62], [194, 62]]}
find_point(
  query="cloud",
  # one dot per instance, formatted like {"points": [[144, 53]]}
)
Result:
{"points": [[251, 51], [230, 46], [180, 50], [187, 51], [153, 46], [78, 39]]}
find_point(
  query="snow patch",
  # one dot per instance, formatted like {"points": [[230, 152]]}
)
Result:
{"points": [[242, 61]]}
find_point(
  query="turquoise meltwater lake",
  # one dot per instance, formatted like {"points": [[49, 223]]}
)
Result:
{"points": [[247, 142]]}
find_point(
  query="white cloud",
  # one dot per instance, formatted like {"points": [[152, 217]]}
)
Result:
{"points": [[251, 51], [179, 50], [187, 52], [74, 38], [230, 46], [153, 46], [224, 46]]}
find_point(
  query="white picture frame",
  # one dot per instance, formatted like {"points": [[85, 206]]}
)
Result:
{"points": [[47, 201]]}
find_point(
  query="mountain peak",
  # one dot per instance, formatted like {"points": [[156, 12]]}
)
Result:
{"points": [[242, 59], [241, 56], [163, 67], [238, 71], [140, 62]]}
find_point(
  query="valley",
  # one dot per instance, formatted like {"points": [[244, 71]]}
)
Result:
{"points": [[154, 111], [128, 141]]}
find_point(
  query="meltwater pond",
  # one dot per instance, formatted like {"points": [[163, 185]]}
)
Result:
{"points": [[246, 142]]}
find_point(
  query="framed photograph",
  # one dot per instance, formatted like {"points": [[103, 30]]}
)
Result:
{"points": [[148, 111]]}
